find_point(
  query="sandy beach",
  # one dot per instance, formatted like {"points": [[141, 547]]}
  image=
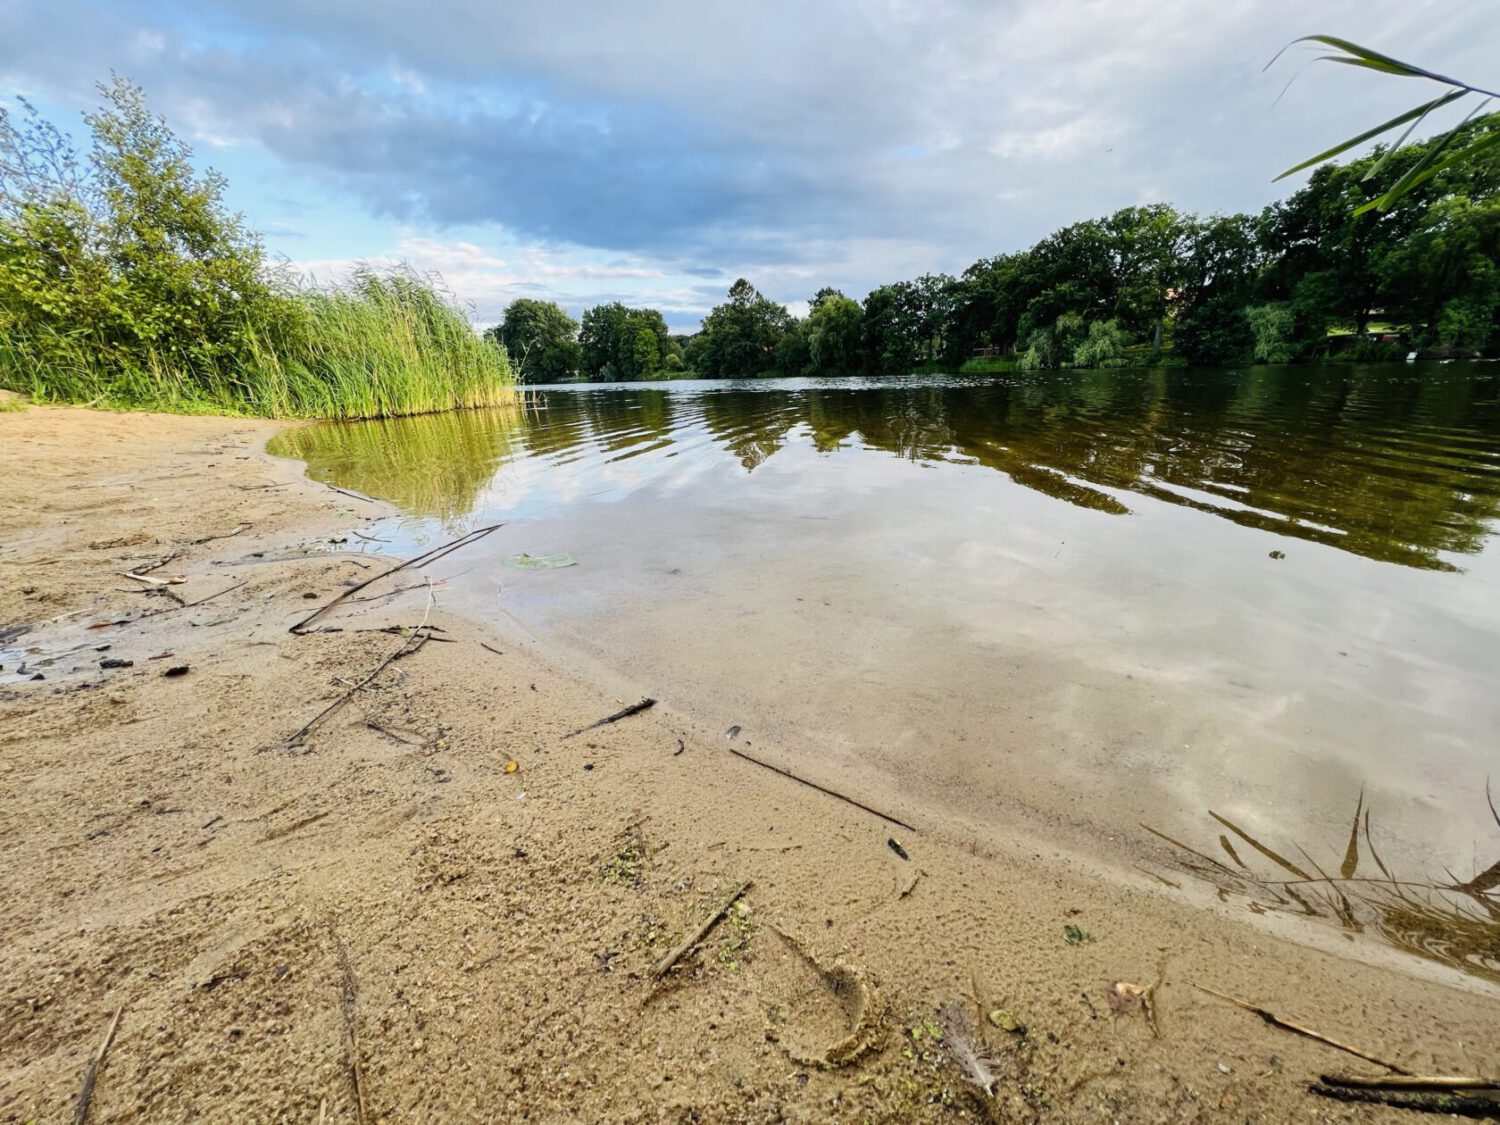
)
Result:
{"points": [[435, 906]]}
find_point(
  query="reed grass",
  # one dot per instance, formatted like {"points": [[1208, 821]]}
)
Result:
{"points": [[381, 344]]}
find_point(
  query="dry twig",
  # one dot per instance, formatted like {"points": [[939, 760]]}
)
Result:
{"points": [[822, 789], [1297, 1029], [700, 933], [86, 1095], [624, 713]]}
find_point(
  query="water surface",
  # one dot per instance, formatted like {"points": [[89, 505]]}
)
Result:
{"points": [[1074, 603]]}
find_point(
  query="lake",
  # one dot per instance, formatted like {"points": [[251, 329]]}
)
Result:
{"points": [[1231, 623]]}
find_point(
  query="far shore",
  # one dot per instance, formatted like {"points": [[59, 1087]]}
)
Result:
{"points": [[452, 898]]}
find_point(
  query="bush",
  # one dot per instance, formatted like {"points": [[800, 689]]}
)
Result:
{"points": [[125, 281]]}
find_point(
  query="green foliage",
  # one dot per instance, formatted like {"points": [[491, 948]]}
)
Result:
{"points": [[540, 339], [1455, 147], [125, 281], [1271, 328], [1102, 346], [623, 343], [741, 336]]}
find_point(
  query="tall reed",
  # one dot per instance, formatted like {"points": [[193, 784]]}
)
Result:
{"points": [[381, 344]]}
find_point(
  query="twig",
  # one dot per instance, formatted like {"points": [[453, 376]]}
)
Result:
{"points": [[413, 643], [1297, 1029], [176, 580], [822, 789], [700, 933], [371, 538], [1412, 1082], [210, 823], [420, 560], [346, 492], [86, 1095], [226, 535], [259, 487], [373, 725], [190, 605], [491, 648], [348, 997], [623, 713], [154, 566]]}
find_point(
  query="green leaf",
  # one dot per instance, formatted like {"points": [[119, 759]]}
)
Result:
{"points": [[1385, 62], [1413, 115], [1395, 148], [1489, 140], [1410, 179]]}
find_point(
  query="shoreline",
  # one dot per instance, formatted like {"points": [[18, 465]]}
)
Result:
{"points": [[169, 852]]}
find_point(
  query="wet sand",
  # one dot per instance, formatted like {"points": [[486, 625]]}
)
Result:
{"points": [[481, 939]]}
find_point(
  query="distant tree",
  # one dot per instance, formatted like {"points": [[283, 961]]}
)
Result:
{"points": [[541, 340], [834, 330], [623, 343], [740, 336]]}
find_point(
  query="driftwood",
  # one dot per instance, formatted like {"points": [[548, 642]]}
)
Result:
{"points": [[1297, 1029], [700, 933], [86, 1095], [420, 560], [623, 713], [823, 789]]}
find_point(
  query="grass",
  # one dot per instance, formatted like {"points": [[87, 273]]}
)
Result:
{"points": [[381, 345]]}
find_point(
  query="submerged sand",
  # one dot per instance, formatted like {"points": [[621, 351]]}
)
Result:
{"points": [[481, 940]]}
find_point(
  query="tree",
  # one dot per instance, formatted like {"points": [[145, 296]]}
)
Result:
{"points": [[740, 336], [623, 343], [135, 250], [834, 330], [541, 340]]}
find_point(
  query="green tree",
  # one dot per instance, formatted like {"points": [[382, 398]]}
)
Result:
{"points": [[835, 328], [541, 340], [740, 336], [614, 342]]}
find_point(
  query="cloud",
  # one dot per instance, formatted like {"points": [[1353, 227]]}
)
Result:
{"points": [[850, 142]]}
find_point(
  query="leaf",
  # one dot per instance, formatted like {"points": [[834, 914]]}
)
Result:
{"points": [[1074, 935], [1413, 174], [1489, 140], [1401, 140], [512, 766], [1351, 853], [1395, 66], [1413, 115], [540, 562]]}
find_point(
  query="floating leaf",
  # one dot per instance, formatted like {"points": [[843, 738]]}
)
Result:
{"points": [[540, 562]]}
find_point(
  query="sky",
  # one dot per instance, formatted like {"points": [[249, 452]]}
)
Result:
{"points": [[586, 151]]}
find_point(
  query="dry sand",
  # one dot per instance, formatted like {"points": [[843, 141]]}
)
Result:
{"points": [[479, 943]]}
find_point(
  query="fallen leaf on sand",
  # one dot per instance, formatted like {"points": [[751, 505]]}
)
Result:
{"points": [[512, 766]]}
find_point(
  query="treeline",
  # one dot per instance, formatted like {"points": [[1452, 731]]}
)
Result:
{"points": [[1302, 280], [125, 281]]}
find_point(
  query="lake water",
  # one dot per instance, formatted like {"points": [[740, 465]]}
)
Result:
{"points": [[1246, 609]]}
